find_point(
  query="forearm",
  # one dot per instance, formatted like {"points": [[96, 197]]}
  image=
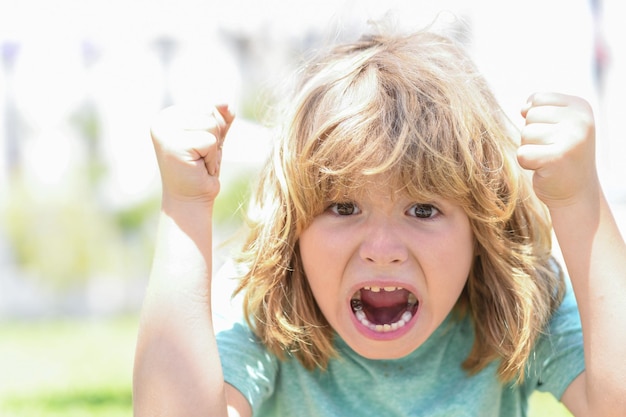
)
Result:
{"points": [[595, 255], [177, 368]]}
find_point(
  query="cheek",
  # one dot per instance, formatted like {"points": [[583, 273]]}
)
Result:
{"points": [[322, 247], [315, 255], [324, 255], [452, 257]]}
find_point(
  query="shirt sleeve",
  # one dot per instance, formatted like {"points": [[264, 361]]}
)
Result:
{"points": [[558, 357], [246, 364]]}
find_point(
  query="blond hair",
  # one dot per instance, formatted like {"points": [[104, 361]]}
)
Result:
{"points": [[415, 108]]}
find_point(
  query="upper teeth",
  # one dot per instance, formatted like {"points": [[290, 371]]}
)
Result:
{"points": [[357, 295], [377, 289]]}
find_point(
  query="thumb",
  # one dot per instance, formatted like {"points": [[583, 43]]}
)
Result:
{"points": [[225, 116]]}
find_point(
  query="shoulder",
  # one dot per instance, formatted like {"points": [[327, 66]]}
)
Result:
{"points": [[558, 356], [246, 363], [565, 318], [240, 342]]}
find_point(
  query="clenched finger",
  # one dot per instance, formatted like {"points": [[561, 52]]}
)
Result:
{"points": [[534, 157], [545, 114], [538, 134]]}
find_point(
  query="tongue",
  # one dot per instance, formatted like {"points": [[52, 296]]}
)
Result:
{"points": [[384, 315], [385, 298], [384, 307]]}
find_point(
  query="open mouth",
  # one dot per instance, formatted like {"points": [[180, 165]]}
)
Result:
{"points": [[384, 309]]}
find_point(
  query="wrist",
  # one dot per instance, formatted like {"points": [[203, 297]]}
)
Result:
{"points": [[184, 211], [180, 203]]}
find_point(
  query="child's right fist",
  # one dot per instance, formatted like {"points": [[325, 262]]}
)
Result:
{"points": [[188, 147]]}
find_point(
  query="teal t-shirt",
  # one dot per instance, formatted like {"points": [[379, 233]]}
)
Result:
{"points": [[428, 382]]}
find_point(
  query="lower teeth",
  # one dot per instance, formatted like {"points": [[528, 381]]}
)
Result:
{"points": [[356, 304], [383, 328], [357, 308]]}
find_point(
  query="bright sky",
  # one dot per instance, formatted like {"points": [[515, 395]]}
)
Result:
{"points": [[520, 46]]}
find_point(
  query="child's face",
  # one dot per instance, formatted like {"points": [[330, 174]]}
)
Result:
{"points": [[386, 272]]}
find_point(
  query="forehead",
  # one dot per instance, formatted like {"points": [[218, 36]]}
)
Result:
{"points": [[383, 186]]}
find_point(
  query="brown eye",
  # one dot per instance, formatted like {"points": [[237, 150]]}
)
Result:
{"points": [[423, 211], [344, 209]]}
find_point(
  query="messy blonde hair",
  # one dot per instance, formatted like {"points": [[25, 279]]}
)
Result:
{"points": [[415, 108]]}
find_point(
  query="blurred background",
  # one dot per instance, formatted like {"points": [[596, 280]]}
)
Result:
{"points": [[80, 81]]}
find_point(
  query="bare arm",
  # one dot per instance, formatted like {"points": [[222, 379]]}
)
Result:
{"points": [[177, 368], [595, 256], [558, 144]]}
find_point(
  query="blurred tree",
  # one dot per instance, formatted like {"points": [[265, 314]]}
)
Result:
{"points": [[9, 55], [63, 239], [166, 49]]}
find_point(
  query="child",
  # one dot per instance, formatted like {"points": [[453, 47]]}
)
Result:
{"points": [[399, 258]]}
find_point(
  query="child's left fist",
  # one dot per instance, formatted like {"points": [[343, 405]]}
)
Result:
{"points": [[558, 144]]}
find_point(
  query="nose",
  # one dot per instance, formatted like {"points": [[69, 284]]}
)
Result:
{"points": [[382, 245]]}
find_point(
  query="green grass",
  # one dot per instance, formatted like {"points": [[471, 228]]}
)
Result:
{"points": [[83, 368], [544, 405], [67, 368]]}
